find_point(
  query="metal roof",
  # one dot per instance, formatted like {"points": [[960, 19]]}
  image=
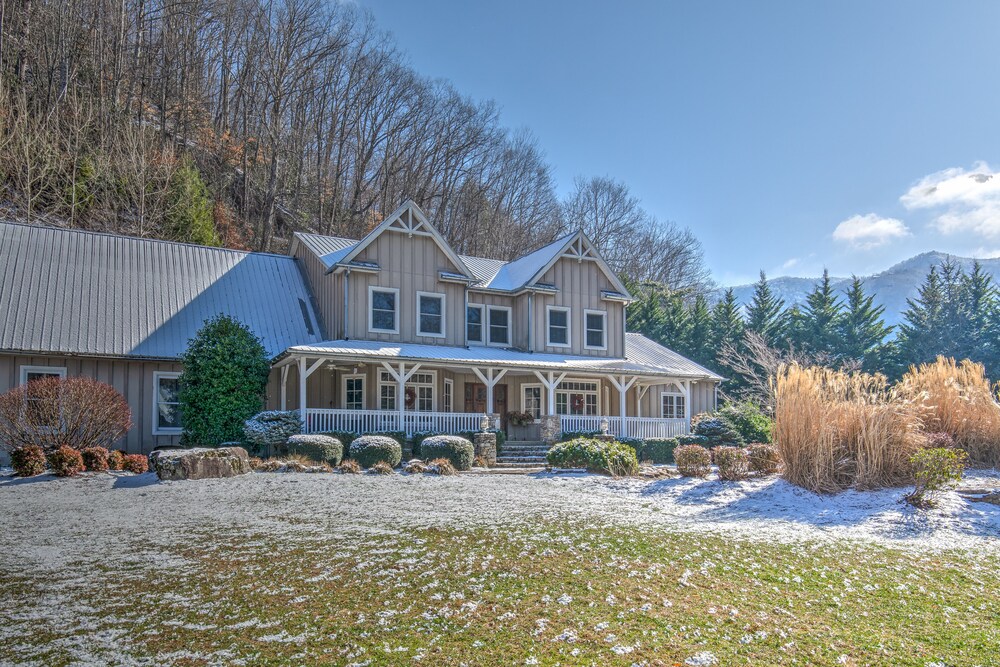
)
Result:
{"points": [[85, 293], [643, 357]]}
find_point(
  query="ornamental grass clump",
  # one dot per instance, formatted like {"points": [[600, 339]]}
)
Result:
{"points": [[837, 430], [693, 460], [95, 459], [441, 466], [934, 469], [28, 461], [65, 462], [957, 399], [764, 459], [322, 448], [382, 468], [733, 463], [349, 466], [371, 449], [611, 458], [458, 451]]}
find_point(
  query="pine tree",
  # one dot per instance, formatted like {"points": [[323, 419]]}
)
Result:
{"points": [[979, 340], [923, 327], [676, 330], [700, 332], [862, 328], [727, 323], [190, 218], [820, 319], [765, 314]]}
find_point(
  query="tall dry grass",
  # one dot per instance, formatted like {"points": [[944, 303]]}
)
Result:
{"points": [[837, 430], [956, 398]]}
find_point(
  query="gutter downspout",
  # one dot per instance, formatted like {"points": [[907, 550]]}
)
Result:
{"points": [[347, 276], [465, 317], [531, 332]]}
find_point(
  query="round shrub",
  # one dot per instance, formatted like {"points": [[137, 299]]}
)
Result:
{"points": [[612, 458], [693, 460], [764, 459], [95, 459], [457, 450], [659, 450], [136, 463], [733, 463], [748, 420], [28, 460], [321, 448], [718, 431], [116, 459], [940, 440], [371, 449], [933, 470], [271, 428], [65, 462]]}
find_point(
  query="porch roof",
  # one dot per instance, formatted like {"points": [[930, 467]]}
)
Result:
{"points": [[643, 357]]}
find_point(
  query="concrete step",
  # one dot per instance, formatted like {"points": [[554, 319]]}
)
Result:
{"points": [[517, 467]]}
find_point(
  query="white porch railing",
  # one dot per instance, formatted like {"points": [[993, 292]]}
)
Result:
{"points": [[635, 427], [382, 421]]}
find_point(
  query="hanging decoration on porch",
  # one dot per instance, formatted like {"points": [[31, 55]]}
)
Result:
{"points": [[576, 403], [411, 397]]}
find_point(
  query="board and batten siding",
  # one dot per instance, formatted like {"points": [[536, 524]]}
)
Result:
{"points": [[703, 398], [327, 294], [133, 379]]}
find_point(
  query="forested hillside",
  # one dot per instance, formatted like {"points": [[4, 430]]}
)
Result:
{"points": [[237, 122]]}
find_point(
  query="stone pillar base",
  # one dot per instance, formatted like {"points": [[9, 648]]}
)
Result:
{"points": [[485, 445], [605, 437], [551, 428]]}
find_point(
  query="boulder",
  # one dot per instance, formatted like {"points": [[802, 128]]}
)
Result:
{"points": [[199, 463]]}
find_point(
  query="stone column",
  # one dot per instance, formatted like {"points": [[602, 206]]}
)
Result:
{"points": [[551, 427], [485, 445]]}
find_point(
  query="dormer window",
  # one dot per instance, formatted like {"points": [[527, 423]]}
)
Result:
{"points": [[430, 314], [499, 325], [595, 324], [557, 323], [474, 324], [383, 310]]}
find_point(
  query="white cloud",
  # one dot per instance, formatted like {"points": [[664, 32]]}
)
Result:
{"points": [[964, 201], [869, 231]]}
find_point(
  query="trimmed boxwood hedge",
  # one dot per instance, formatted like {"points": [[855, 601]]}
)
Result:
{"points": [[613, 458], [319, 448], [659, 450], [456, 449], [370, 449]]}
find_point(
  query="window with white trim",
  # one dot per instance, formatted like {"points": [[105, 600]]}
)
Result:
{"points": [[499, 325], [474, 324], [576, 398], [166, 403], [448, 397], [531, 400], [430, 314], [383, 310], [595, 324], [672, 405], [419, 392], [32, 373], [557, 326], [354, 392]]}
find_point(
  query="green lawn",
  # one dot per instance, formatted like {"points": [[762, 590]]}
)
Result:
{"points": [[560, 594]]}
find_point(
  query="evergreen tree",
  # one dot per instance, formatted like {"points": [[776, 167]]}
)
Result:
{"points": [[675, 331], [979, 340], [920, 334], [862, 328], [189, 218], [765, 314], [820, 319], [727, 323], [700, 332]]}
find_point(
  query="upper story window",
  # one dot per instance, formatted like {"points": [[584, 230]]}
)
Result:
{"points": [[499, 325], [595, 324], [474, 324], [430, 314], [166, 403], [557, 323], [383, 310]]}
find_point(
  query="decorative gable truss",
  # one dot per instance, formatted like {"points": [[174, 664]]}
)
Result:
{"points": [[581, 249]]}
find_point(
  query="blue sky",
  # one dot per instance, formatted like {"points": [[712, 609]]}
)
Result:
{"points": [[789, 136]]}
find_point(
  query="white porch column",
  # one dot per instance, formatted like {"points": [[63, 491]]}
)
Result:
{"points": [[304, 373], [622, 386], [490, 377], [284, 387], [687, 403], [550, 383], [641, 392]]}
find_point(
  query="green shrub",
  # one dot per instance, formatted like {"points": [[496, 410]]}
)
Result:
{"points": [[345, 437], [320, 448], [612, 458], [693, 460], [733, 463], [935, 469], [748, 420], [718, 431], [116, 458], [95, 459], [28, 461], [692, 439], [659, 450], [417, 441], [764, 459], [224, 381], [189, 216], [65, 462], [271, 428], [371, 449], [456, 449], [566, 436]]}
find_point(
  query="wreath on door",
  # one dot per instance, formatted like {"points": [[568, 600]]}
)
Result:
{"points": [[411, 396], [576, 402]]}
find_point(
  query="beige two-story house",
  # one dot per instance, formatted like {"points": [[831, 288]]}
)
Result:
{"points": [[392, 332]]}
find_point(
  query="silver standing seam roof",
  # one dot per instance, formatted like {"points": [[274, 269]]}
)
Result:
{"points": [[87, 293]]}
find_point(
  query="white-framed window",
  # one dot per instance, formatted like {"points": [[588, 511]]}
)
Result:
{"points": [[29, 373], [383, 310], [448, 397], [354, 392], [595, 329], [557, 326], [430, 314], [419, 392], [474, 329], [531, 399], [498, 329], [166, 403], [672, 405], [576, 397]]}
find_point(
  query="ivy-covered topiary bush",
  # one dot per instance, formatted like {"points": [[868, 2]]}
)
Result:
{"points": [[321, 448], [371, 449], [28, 461], [733, 463], [271, 428], [65, 462], [693, 460], [659, 450], [456, 449], [611, 458], [223, 383], [718, 431], [95, 459]]}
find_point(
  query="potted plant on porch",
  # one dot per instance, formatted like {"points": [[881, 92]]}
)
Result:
{"points": [[521, 426]]}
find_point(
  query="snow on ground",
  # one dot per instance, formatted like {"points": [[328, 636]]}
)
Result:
{"points": [[49, 522]]}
